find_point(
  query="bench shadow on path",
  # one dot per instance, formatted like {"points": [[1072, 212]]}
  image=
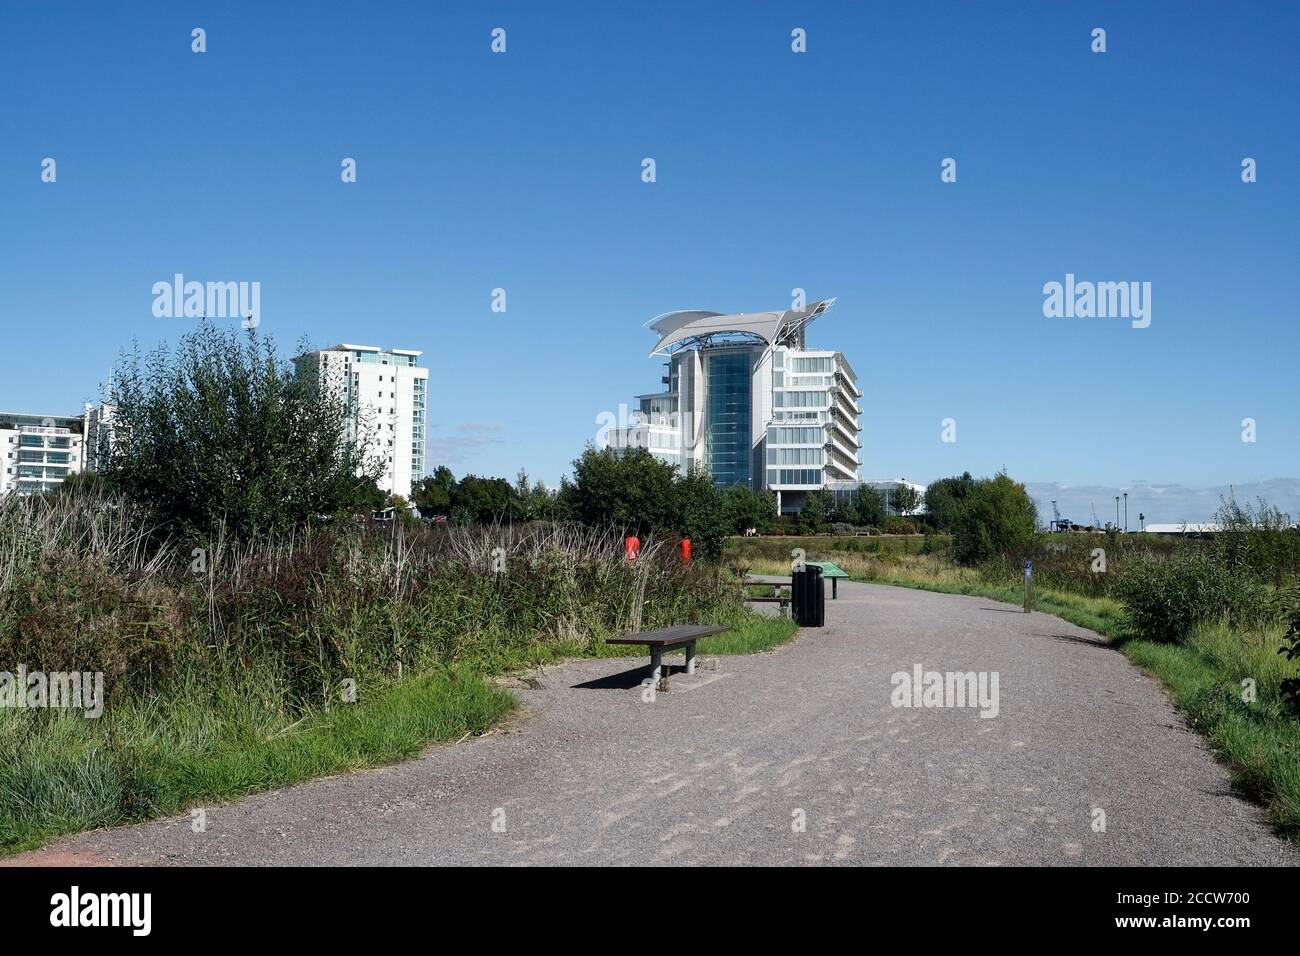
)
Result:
{"points": [[626, 680]]}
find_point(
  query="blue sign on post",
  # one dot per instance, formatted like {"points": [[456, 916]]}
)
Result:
{"points": [[1029, 568]]}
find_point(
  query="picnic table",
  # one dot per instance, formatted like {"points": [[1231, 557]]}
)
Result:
{"points": [[781, 587], [833, 571], [683, 636]]}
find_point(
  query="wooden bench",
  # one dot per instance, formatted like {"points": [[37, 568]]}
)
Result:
{"points": [[780, 585], [668, 639]]}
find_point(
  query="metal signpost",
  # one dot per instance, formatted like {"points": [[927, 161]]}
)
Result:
{"points": [[1029, 584]]}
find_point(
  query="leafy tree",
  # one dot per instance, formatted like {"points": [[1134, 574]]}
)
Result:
{"points": [[564, 502], [905, 499], [222, 430], [432, 493], [631, 490], [699, 513], [870, 507], [845, 513], [944, 500], [368, 497], [746, 508], [997, 517], [482, 500], [816, 510], [533, 501]]}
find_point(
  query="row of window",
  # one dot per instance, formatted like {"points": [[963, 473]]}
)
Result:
{"points": [[794, 476], [795, 456], [789, 435], [806, 364], [799, 399], [383, 358], [37, 457]]}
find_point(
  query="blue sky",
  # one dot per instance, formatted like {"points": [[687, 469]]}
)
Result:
{"points": [[775, 170]]}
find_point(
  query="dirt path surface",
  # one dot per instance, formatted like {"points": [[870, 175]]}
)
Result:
{"points": [[724, 767]]}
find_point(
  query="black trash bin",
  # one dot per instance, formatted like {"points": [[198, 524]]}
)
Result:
{"points": [[808, 597]]}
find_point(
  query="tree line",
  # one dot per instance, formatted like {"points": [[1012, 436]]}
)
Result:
{"points": [[222, 432]]}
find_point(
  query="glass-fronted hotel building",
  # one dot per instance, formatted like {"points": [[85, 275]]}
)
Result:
{"points": [[745, 399]]}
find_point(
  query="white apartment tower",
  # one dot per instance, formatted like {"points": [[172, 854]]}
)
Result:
{"points": [[745, 399], [385, 393], [40, 451]]}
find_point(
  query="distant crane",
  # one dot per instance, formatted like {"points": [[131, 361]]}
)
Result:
{"points": [[1095, 522], [1059, 523]]}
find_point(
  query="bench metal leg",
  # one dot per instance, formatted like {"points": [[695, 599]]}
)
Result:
{"points": [[835, 588], [690, 658]]}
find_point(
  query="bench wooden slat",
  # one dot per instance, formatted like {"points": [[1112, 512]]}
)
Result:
{"points": [[756, 579], [668, 636]]}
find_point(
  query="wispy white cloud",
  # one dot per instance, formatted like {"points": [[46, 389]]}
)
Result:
{"points": [[462, 442]]}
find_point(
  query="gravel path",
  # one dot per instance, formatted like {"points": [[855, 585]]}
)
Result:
{"points": [[724, 767]]}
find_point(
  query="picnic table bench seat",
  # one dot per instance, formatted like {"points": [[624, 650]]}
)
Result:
{"points": [[682, 636], [781, 587]]}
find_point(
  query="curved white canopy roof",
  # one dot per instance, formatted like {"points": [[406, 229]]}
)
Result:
{"points": [[678, 328]]}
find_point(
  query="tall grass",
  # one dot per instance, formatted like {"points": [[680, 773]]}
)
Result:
{"points": [[85, 590], [234, 666]]}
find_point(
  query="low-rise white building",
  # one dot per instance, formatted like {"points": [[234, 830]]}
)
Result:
{"points": [[1191, 529], [888, 489]]}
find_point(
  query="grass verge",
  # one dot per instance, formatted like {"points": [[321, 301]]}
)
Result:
{"points": [[189, 745], [1258, 739]]}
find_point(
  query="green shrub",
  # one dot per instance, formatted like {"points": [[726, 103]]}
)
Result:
{"points": [[1290, 685], [1164, 600], [996, 517], [896, 525], [945, 498], [224, 434], [1261, 540]]}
